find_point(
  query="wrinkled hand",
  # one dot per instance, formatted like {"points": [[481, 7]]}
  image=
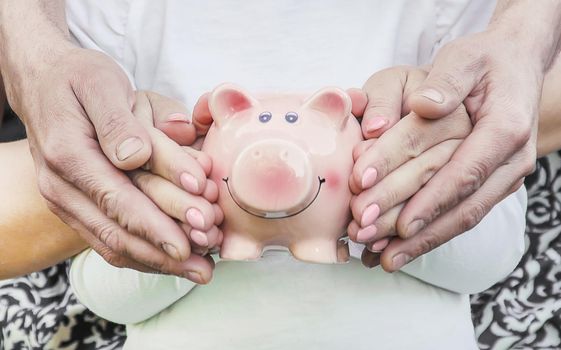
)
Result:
{"points": [[412, 150], [82, 133], [198, 215], [498, 76]]}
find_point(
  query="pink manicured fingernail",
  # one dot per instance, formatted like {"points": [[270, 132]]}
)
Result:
{"points": [[366, 234], [376, 124], [433, 95], [178, 117], [199, 238], [368, 178], [400, 260], [195, 218], [414, 227], [369, 215], [378, 246], [189, 182]]}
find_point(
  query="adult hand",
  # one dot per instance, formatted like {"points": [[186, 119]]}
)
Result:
{"points": [[156, 180], [413, 147], [498, 76], [82, 133]]}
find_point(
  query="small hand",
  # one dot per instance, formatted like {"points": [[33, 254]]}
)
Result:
{"points": [[403, 159]]}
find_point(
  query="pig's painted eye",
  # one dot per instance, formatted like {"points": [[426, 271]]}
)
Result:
{"points": [[291, 117], [265, 117]]}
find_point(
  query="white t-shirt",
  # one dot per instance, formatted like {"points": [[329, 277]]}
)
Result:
{"points": [[184, 48]]}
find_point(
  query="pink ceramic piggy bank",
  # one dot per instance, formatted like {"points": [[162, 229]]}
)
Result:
{"points": [[282, 164]]}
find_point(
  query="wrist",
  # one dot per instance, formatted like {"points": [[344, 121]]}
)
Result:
{"points": [[533, 28], [33, 37]]}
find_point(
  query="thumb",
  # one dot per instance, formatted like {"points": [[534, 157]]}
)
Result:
{"points": [[450, 80], [121, 136]]}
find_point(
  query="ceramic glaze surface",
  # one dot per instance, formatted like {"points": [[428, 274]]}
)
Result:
{"points": [[282, 164]]}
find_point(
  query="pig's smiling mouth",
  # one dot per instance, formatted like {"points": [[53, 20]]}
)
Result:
{"points": [[274, 214]]}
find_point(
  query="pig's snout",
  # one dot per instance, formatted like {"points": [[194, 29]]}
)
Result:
{"points": [[273, 177]]}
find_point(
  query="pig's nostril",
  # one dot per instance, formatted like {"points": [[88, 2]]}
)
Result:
{"points": [[284, 155], [257, 154]]}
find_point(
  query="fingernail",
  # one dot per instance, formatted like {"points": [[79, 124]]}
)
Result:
{"points": [[368, 178], [400, 260], [195, 218], [171, 251], [369, 215], [129, 147], [189, 182], [433, 95], [194, 276], [199, 237], [378, 246], [376, 124], [414, 227], [178, 117], [366, 234]]}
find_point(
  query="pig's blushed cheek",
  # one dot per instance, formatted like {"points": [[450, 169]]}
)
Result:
{"points": [[332, 180]]}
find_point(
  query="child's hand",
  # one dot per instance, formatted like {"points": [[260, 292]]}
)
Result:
{"points": [[175, 177], [406, 155]]}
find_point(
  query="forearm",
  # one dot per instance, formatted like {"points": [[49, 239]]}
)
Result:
{"points": [[33, 35], [31, 237], [474, 261], [549, 129], [533, 26]]}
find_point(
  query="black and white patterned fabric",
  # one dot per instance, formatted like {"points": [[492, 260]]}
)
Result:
{"points": [[524, 310], [40, 312]]}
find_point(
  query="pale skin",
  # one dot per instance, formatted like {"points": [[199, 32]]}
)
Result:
{"points": [[498, 76], [68, 95], [34, 238], [378, 230], [77, 108]]}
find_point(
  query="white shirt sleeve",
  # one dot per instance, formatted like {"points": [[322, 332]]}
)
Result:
{"points": [[474, 261], [123, 295]]}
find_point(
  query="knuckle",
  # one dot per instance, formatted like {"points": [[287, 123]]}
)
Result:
{"points": [[46, 187], [471, 179], [386, 227], [471, 215], [389, 198], [428, 172], [107, 201], [177, 206], [412, 144], [109, 236], [452, 82], [427, 243], [112, 258], [520, 136], [528, 166], [56, 154], [111, 125]]}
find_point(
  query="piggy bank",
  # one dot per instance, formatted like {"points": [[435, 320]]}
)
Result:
{"points": [[282, 164]]}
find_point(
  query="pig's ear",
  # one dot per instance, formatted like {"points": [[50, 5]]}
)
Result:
{"points": [[333, 102], [227, 100]]}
